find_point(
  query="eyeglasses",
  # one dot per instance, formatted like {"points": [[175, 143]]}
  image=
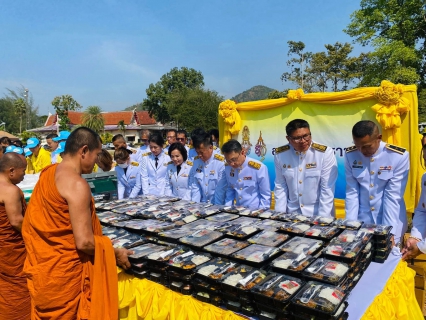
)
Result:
{"points": [[305, 137], [171, 137], [233, 160], [180, 139]]}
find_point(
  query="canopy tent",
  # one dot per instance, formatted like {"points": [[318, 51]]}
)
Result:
{"points": [[260, 126]]}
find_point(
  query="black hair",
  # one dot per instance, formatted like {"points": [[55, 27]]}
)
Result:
{"points": [[205, 139], [118, 137], [181, 131], [231, 146], [364, 128], [172, 130], [80, 137], [122, 154], [181, 148], [18, 143], [215, 133], [51, 136], [156, 138], [197, 132], [6, 140], [295, 124]]}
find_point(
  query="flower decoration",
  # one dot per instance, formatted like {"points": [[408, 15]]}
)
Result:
{"points": [[231, 117], [295, 94]]}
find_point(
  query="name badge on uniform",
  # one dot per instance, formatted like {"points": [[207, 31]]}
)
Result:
{"points": [[132, 177], [311, 165], [184, 175], [247, 178], [212, 172], [357, 165], [385, 168], [198, 170], [231, 174]]}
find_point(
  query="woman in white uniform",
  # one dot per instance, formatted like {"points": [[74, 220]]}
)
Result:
{"points": [[128, 174], [177, 182], [154, 167]]}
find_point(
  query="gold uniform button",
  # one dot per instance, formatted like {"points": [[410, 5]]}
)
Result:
{"points": [[206, 184], [301, 205], [297, 152], [241, 188], [372, 172], [300, 181], [300, 169], [301, 158], [300, 194], [239, 180], [239, 198], [371, 197], [372, 160], [372, 208], [371, 185]]}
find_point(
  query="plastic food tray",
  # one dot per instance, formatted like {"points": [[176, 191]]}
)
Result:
{"points": [[276, 289], [295, 228], [318, 299], [222, 217], [348, 224], [344, 251], [292, 263], [200, 238], [187, 261], [144, 250], [269, 214], [269, 238], [215, 269], [256, 254], [355, 235], [380, 232], [160, 227], [297, 217], [241, 232], [268, 224], [298, 245], [139, 224], [322, 221], [322, 232], [226, 246], [242, 279], [324, 270], [129, 241], [200, 224]]}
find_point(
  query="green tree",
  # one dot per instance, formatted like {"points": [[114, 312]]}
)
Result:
{"points": [[20, 110], [158, 94], [298, 64], [278, 94], [397, 31], [93, 119], [31, 117], [138, 106], [62, 105], [106, 137], [24, 136], [193, 108], [122, 126], [8, 116]]}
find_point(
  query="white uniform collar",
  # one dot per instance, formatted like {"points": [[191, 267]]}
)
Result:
{"points": [[298, 152], [379, 150]]}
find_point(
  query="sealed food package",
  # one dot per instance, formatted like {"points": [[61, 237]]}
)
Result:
{"points": [[344, 251], [160, 227], [144, 250], [200, 224], [245, 221], [128, 241], [322, 232], [322, 221], [282, 216], [380, 232], [176, 233], [256, 213], [112, 204], [348, 224], [200, 238], [292, 263], [326, 270], [355, 236], [139, 224], [245, 212], [166, 254], [294, 227], [243, 278], [222, 217], [129, 210], [241, 232], [276, 289], [269, 214], [297, 217], [302, 245], [189, 260], [256, 253], [114, 233], [269, 238], [317, 298], [226, 246], [230, 209], [268, 224], [216, 269]]}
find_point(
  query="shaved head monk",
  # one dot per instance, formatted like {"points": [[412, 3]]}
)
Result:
{"points": [[70, 266], [14, 296]]}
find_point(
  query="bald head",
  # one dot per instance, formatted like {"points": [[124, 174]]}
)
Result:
{"points": [[82, 137], [12, 160]]}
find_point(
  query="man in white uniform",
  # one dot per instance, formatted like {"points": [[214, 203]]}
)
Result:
{"points": [[376, 176], [305, 173]]}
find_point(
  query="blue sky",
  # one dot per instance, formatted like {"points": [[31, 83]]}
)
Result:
{"points": [[107, 52]]}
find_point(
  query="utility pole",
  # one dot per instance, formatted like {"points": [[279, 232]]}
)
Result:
{"points": [[27, 109]]}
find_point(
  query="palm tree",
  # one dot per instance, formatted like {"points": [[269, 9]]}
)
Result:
{"points": [[93, 119], [122, 126], [20, 110]]}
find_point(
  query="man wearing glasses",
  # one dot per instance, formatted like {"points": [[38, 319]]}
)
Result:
{"points": [[247, 179], [182, 138], [376, 177], [171, 138], [145, 144], [305, 173]]}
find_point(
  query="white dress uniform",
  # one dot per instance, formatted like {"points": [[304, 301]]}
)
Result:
{"points": [[192, 154], [142, 149], [129, 183], [248, 185], [305, 181], [207, 180], [178, 184], [375, 187], [166, 151], [419, 221], [154, 179]]}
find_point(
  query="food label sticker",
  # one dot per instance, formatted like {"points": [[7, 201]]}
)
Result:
{"points": [[289, 286]]}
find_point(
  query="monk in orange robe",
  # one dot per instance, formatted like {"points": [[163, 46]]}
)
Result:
{"points": [[14, 295], [70, 266]]}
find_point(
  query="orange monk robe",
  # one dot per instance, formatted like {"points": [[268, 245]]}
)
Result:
{"points": [[14, 295], [65, 283]]}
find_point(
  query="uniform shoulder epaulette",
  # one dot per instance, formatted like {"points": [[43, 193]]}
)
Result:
{"points": [[219, 157], [165, 152], [226, 164], [319, 147], [282, 149], [351, 149], [135, 164], [196, 157], [395, 148], [214, 148], [254, 164], [170, 162], [146, 154], [191, 146], [189, 163]]}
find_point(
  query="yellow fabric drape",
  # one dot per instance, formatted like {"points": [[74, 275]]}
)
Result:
{"points": [[140, 299], [397, 300]]}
